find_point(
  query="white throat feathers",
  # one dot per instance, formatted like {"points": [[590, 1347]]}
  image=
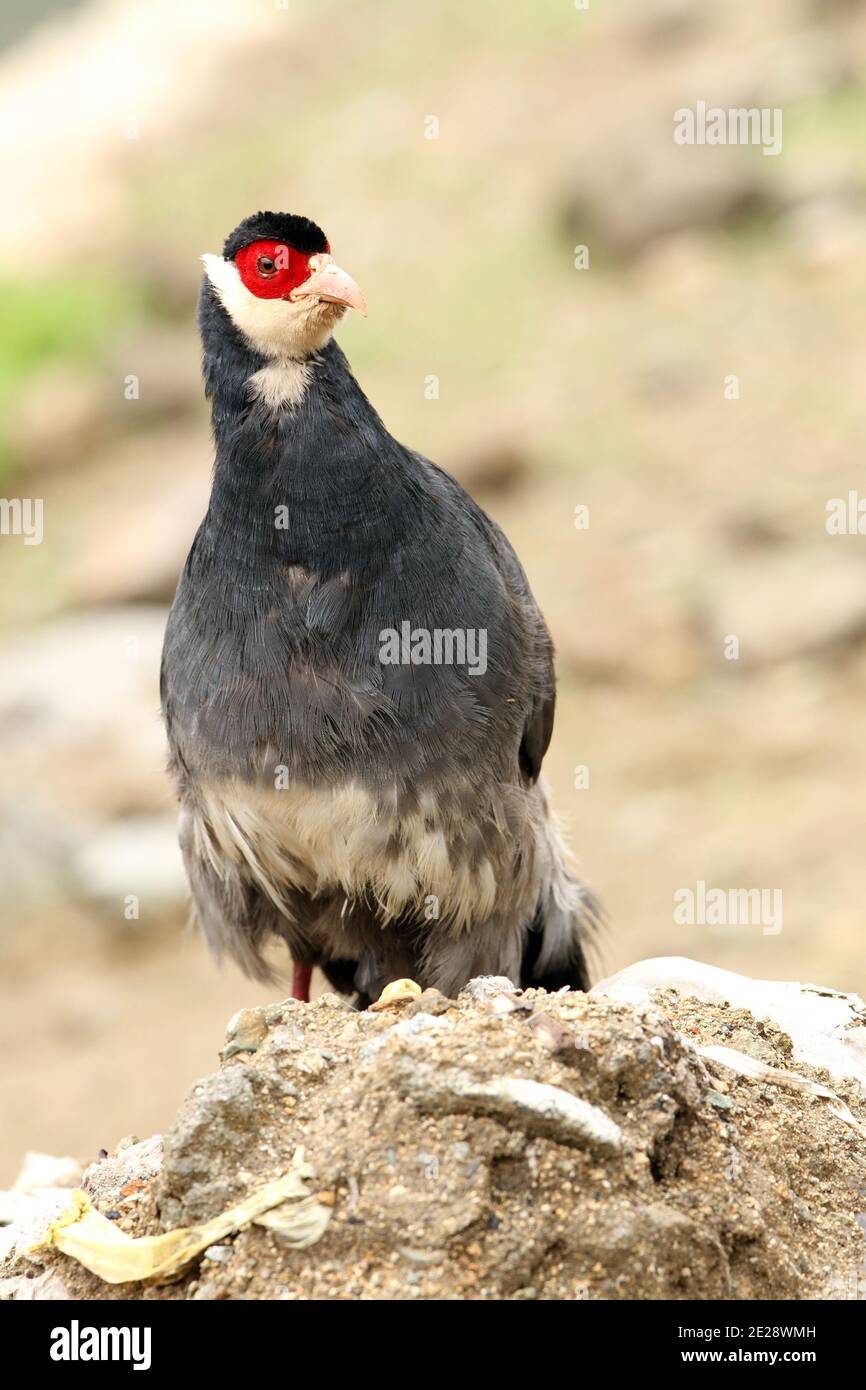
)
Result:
{"points": [[289, 332]]}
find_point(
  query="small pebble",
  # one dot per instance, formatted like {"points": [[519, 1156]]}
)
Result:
{"points": [[488, 986], [219, 1253], [246, 1032], [425, 1258]]}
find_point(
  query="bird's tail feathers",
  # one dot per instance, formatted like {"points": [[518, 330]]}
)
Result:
{"points": [[568, 918]]}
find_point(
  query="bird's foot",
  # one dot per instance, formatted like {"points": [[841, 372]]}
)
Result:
{"points": [[301, 977]]}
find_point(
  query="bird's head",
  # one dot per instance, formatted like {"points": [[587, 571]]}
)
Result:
{"points": [[279, 284]]}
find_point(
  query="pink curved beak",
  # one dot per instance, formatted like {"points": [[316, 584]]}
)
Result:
{"points": [[329, 282]]}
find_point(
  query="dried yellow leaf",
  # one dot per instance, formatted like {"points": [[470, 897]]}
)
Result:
{"points": [[83, 1233]]}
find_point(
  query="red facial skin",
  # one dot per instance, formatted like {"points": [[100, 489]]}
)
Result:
{"points": [[290, 268]]}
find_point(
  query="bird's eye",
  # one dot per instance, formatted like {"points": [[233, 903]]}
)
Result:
{"points": [[266, 266]]}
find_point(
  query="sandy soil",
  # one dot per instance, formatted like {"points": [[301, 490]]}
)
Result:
{"points": [[437, 1176]]}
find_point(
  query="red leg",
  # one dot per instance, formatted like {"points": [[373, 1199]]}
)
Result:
{"points": [[301, 976]]}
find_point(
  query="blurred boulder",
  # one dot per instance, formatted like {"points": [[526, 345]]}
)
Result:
{"points": [[79, 715], [833, 9], [36, 849], [665, 23], [58, 416], [645, 187], [802, 65], [828, 228], [67, 413], [138, 855], [86, 809], [786, 606], [634, 639], [638, 186], [161, 365], [495, 467], [131, 546]]}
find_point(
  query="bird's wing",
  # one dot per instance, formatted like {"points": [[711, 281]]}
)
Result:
{"points": [[541, 704]]}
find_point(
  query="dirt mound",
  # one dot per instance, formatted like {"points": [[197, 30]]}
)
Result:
{"points": [[501, 1145]]}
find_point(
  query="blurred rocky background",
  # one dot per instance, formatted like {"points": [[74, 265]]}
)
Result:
{"points": [[698, 388]]}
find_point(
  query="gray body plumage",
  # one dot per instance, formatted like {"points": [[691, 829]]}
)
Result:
{"points": [[384, 820]]}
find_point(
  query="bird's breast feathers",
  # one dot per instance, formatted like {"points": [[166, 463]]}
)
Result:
{"points": [[435, 863]]}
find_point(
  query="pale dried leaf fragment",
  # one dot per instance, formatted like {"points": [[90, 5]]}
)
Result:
{"points": [[397, 992], [84, 1234], [297, 1224], [777, 1076]]}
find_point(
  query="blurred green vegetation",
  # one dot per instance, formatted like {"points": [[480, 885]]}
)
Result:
{"points": [[64, 317], [834, 118]]}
